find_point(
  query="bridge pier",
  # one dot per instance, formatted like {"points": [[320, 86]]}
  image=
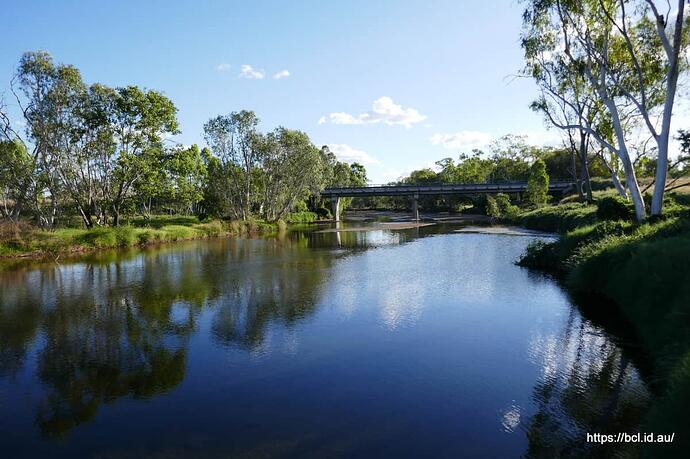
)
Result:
{"points": [[415, 207], [335, 203]]}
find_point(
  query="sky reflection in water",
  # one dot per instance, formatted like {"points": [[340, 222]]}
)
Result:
{"points": [[357, 343]]}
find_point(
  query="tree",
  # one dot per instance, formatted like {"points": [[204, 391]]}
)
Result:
{"points": [[16, 169], [89, 145], [292, 169], [234, 140], [537, 184], [187, 172], [358, 175], [138, 123], [50, 93], [627, 53]]}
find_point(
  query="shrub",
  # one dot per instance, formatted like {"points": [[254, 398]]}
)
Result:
{"points": [[324, 213], [615, 208], [301, 217], [125, 236], [214, 228], [16, 235], [499, 206], [301, 206], [97, 237], [507, 209], [177, 232], [560, 218], [492, 209]]}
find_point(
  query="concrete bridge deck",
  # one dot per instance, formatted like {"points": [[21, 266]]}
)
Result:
{"points": [[414, 191]]}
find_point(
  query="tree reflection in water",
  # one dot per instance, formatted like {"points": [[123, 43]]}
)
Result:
{"points": [[588, 385], [115, 328], [121, 326]]}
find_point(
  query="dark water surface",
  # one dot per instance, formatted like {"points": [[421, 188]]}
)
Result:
{"points": [[412, 343]]}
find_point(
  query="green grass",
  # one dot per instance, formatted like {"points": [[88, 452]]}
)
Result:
{"points": [[23, 240], [560, 218], [645, 270]]}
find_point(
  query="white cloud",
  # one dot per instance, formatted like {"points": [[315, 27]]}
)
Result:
{"points": [[249, 72], [281, 74], [463, 140], [351, 155], [322, 120], [383, 110], [223, 67], [344, 118]]}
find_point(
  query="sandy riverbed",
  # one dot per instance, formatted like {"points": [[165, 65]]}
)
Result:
{"points": [[507, 230]]}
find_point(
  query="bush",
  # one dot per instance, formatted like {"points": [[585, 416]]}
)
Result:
{"points": [[560, 218], [125, 236], [97, 237], [16, 234], [615, 208], [301, 217], [491, 208], [324, 213], [499, 206], [214, 228]]}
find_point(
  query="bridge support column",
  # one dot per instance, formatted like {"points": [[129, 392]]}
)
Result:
{"points": [[335, 203], [415, 207]]}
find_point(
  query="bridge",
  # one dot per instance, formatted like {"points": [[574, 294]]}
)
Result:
{"points": [[414, 191]]}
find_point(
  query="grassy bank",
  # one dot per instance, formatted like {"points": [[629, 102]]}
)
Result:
{"points": [[645, 270], [24, 240]]}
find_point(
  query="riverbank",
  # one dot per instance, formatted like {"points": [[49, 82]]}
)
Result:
{"points": [[25, 241], [645, 270]]}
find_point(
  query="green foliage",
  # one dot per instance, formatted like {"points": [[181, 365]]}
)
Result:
{"points": [[492, 209], [560, 218], [499, 206], [16, 170], [615, 208], [291, 169], [301, 217], [21, 238], [537, 184]]}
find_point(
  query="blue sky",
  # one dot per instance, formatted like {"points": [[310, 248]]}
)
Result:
{"points": [[394, 84]]}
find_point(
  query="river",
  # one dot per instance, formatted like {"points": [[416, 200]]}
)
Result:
{"points": [[420, 342]]}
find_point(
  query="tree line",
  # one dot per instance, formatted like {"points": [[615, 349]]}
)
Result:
{"points": [[97, 153], [508, 159]]}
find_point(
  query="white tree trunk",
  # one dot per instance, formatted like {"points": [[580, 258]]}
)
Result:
{"points": [[635, 193], [619, 186], [661, 172], [673, 54]]}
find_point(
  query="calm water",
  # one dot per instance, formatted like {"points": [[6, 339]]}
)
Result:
{"points": [[411, 343]]}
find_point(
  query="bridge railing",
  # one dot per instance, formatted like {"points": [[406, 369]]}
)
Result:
{"points": [[557, 184]]}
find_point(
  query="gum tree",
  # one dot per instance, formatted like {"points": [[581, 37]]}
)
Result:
{"points": [[628, 54], [233, 140]]}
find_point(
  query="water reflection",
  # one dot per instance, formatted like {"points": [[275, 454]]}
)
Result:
{"points": [[389, 341], [120, 328], [587, 385]]}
